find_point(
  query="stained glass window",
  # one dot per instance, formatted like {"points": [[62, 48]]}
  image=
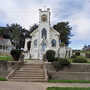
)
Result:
{"points": [[35, 43], [44, 33], [43, 46], [53, 42]]}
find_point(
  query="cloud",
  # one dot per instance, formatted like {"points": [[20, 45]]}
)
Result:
{"points": [[25, 13], [81, 23], [81, 28], [15, 14]]}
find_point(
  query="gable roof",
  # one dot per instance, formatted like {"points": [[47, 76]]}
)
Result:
{"points": [[52, 29], [34, 31]]}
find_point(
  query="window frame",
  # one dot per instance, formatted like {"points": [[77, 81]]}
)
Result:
{"points": [[53, 43], [35, 43], [44, 33]]}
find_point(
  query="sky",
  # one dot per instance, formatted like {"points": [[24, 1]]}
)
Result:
{"points": [[25, 13]]}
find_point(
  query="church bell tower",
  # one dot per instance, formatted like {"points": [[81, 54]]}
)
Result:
{"points": [[44, 16], [44, 31]]}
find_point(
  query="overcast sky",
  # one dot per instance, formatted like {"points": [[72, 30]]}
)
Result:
{"points": [[25, 13]]}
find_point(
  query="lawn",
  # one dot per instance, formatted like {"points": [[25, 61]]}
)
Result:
{"points": [[67, 88], [69, 81], [7, 58], [3, 79]]}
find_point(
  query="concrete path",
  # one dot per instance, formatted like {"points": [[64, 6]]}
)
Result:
{"points": [[8, 85]]}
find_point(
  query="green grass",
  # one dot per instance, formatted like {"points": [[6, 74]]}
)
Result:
{"points": [[3, 79], [69, 81], [67, 88], [7, 58]]}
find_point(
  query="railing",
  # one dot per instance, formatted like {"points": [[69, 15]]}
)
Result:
{"points": [[14, 68], [45, 71]]}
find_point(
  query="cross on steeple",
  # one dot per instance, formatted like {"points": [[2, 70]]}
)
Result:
{"points": [[44, 7]]}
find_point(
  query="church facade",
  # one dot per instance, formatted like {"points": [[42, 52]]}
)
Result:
{"points": [[44, 38]]}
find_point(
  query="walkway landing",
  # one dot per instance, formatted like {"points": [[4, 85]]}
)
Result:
{"points": [[34, 61]]}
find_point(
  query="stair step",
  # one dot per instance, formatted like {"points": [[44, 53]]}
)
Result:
{"points": [[22, 72], [28, 80], [27, 77], [36, 73], [31, 69], [32, 65], [19, 75], [29, 72]]}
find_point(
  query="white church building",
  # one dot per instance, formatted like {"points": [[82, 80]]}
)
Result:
{"points": [[44, 38]]}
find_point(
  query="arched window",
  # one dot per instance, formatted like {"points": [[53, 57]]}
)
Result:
{"points": [[35, 43], [44, 17], [53, 43], [43, 46], [44, 33]]}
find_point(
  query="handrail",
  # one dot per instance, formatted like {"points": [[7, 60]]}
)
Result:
{"points": [[13, 69], [45, 71]]}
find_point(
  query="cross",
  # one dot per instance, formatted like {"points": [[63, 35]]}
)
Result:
{"points": [[45, 7]]}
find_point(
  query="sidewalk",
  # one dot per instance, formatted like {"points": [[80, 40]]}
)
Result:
{"points": [[8, 85]]}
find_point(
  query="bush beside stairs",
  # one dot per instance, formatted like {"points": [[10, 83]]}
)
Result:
{"points": [[30, 72]]}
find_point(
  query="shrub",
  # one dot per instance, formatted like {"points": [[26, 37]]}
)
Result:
{"points": [[16, 54], [3, 79], [50, 55], [79, 59], [60, 63], [88, 54], [77, 53], [73, 56]]}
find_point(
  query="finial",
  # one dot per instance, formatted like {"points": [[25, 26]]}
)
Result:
{"points": [[48, 9], [45, 7], [40, 9]]}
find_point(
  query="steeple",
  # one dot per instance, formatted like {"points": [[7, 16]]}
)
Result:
{"points": [[44, 16]]}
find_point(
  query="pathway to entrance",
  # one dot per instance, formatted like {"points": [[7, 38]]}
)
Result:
{"points": [[7, 85]]}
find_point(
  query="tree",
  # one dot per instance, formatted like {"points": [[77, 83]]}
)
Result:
{"points": [[35, 26], [1, 32], [17, 35], [65, 32], [4, 32], [15, 32]]}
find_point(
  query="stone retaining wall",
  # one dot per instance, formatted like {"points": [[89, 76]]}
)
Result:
{"points": [[74, 72], [3, 68], [6, 67]]}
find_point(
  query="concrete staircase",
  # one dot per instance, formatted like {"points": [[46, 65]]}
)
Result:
{"points": [[30, 72]]}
